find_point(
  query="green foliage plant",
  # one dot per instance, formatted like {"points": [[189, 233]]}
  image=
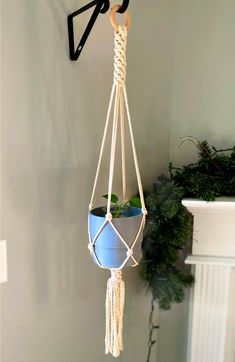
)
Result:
{"points": [[169, 225], [213, 175]]}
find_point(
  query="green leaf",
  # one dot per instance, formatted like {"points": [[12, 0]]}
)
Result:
{"points": [[117, 211], [170, 208], [114, 198], [135, 201]]}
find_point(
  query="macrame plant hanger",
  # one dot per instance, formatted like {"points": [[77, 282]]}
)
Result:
{"points": [[105, 230]]}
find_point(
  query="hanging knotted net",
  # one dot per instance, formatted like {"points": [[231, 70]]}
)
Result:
{"points": [[119, 104]]}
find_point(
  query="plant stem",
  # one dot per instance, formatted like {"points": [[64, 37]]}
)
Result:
{"points": [[222, 150], [151, 341]]}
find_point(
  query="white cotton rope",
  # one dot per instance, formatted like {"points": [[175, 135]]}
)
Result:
{"points": [[102, 147], [120, 41], [123, 141], [113, 149], [115, 298], [115, 295]]}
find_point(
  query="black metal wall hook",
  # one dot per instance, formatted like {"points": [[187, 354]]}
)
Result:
{"points": [[101, 6], [124, 6]]}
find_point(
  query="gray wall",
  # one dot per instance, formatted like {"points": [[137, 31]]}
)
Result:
{"points": [[203, 84], [53, 113], [180, 82], [203, 105]]}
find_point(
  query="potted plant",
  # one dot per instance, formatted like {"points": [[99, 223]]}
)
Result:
{"points": [[109, 246]]}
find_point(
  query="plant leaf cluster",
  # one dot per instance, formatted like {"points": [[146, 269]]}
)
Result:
{"points": [[169, 226], [213, 175], [118, 207]]}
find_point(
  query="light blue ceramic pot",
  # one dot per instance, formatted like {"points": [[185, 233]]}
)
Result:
{"points": [[108, 247]]}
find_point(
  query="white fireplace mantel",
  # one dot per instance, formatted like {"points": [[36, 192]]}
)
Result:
{"points": [[212, 320]]}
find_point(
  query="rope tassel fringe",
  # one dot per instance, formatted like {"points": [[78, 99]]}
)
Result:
{"points": [[115, 298]]}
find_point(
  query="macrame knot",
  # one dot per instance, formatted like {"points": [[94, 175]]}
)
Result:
{"points": [[116, 275], [109, 216], [129, 252], [90, 247], [144, 211], [120, 40]]}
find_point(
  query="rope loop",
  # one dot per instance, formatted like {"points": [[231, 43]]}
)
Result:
{"points": [[109, 216], [120, 41]]}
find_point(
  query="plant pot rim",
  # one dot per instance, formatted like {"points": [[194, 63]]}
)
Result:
{"points": [[99, 212]]}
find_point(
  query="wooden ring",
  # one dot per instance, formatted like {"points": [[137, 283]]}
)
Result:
{"points": [[112, 17]]}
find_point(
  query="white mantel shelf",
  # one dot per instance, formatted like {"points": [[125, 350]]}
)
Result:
{"points": [[214, 226], [210, 260], [212, 326], [221, 204]]}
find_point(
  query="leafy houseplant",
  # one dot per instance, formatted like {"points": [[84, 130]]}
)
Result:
{"points": [[169, 226], [119, 208]]}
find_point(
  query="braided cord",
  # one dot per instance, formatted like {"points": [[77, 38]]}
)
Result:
{"points": [[120, 42]]}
